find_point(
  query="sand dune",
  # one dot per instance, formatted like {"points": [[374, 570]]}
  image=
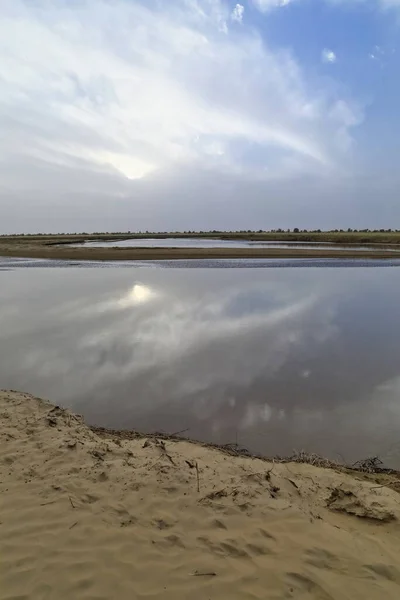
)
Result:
{"points": [[84, 515]]}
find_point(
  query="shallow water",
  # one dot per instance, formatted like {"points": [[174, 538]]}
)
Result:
{"points": [[10, 263], [275, 359], [216, 243]]}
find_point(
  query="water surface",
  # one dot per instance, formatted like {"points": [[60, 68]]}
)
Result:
{"points": [[218, 243], [277, 359]]}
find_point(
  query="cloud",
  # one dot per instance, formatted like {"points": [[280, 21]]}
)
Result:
{"points": [[267, 5], [381, 54], [237, 13], [328, 56], [178, 89], [385, 4], [176, 340], [127, 114]]}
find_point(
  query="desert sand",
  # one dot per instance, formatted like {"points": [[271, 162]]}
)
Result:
{"points": [[96, 515]]}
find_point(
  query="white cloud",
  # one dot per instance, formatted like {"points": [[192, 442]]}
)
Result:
{"points": [[328, 56], [113, 102], [267, 5], [237, 13], [133, 90]]}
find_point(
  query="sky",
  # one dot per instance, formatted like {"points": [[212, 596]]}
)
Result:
{"points": [[121, 115]]}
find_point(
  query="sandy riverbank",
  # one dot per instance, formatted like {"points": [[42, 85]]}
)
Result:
{"points": [[87, 514], [61, 247], [67, 252]]}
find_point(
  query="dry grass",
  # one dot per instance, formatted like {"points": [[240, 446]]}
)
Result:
{"points": [[371, 465]]}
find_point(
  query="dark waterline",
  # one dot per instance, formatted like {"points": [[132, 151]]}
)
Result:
{"points": [[279, 359], [11, 263]]}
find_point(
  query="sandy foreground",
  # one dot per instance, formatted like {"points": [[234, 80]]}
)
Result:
{"points": [[85, 514]]}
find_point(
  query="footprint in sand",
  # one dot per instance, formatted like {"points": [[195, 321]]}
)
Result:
{"points": [[321, 558], [232, 549], [302, 586], [389, 572]]}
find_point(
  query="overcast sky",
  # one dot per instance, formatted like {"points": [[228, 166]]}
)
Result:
{"points": [[199, 114]]}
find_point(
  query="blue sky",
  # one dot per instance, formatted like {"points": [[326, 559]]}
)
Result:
{"points": [[364, 38], [197, 114]]}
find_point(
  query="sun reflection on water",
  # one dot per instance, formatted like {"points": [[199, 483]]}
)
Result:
{"points": [[138, 294]]}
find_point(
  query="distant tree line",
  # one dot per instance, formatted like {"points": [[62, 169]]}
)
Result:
{"points": [[295, 230]]}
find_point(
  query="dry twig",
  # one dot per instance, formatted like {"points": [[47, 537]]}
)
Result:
{"points": [[198, 477]]}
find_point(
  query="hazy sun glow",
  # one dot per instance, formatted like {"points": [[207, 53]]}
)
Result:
{"points": [[130, 166], [139, 294]]}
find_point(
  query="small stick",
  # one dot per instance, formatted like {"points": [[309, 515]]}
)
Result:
{"points": [[385, 485], [46, 503], [210, 574], [72, 504], [163, 449], [179, 432], [268, 473], [73, 525], [198, 478], [171, 460], [292, 482]]}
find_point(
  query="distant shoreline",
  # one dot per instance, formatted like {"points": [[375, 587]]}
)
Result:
{"points": [[60, 247], [150, 254]]}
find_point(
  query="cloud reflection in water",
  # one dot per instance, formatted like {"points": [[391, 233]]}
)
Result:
{"points": [[278, 358]]}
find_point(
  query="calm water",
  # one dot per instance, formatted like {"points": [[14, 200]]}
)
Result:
{"points": [[213, 243], [279, 359]]}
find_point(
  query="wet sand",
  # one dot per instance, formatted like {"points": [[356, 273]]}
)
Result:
{"points": [[88, 513], [50, 250]]}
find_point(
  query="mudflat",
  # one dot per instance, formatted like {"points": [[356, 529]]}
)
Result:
{"points": [[60, 247]]}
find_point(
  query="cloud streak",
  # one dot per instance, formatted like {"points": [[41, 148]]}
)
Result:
{"points": [[127, 114], [268, 5], [131, 90]]}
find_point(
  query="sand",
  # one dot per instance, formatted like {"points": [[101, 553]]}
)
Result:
{"points": [[89, 515], [48, 250]]}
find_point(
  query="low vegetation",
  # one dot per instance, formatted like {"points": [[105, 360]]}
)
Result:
{"points": [[336, 236], [385, 244]]}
